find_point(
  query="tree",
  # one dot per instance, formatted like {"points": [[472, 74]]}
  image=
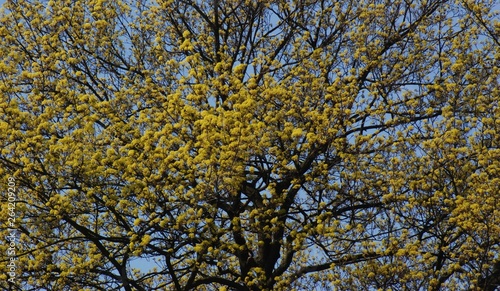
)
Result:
{"points": [[251, 145]]}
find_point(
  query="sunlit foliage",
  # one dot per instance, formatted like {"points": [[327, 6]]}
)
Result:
{"points": [[252, 145]]}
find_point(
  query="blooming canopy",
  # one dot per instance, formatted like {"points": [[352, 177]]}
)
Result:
{"points": [[251, 145]]}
